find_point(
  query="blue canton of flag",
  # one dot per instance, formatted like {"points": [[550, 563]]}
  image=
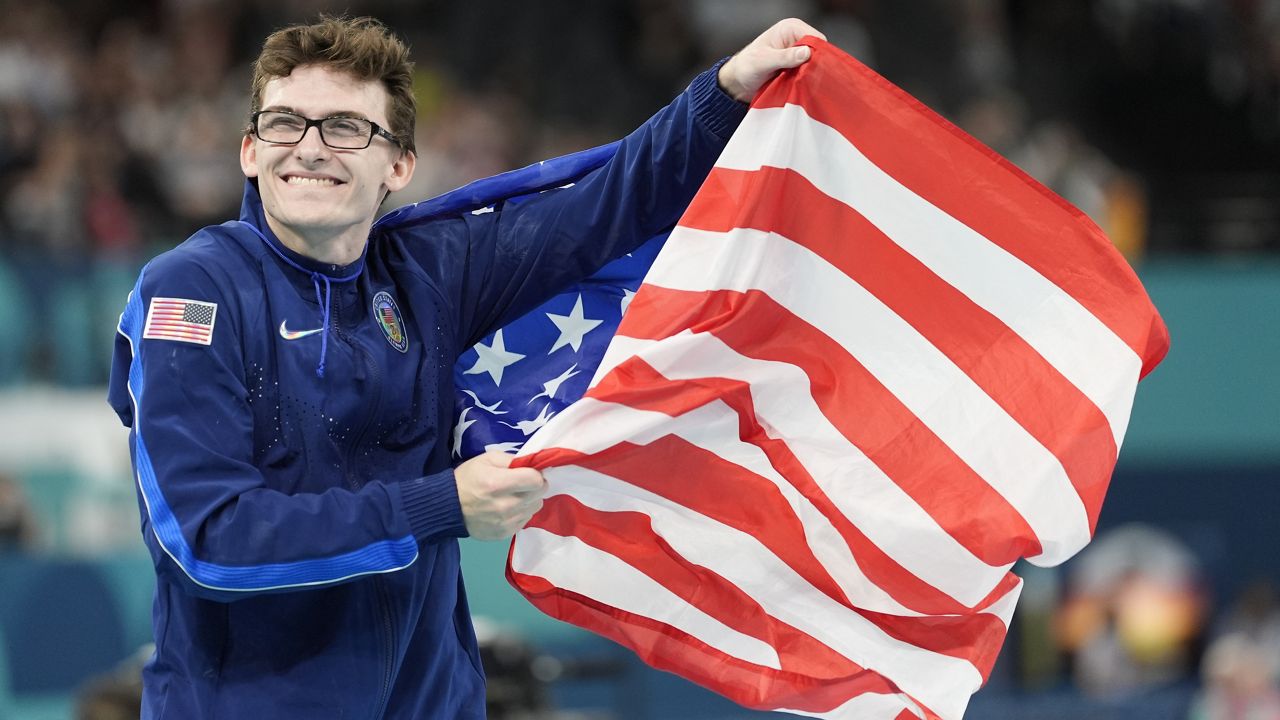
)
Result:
{"points": [[516, 379]]}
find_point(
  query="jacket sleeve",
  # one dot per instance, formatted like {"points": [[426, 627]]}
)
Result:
{"points": [[211, 520], [522, 253]]}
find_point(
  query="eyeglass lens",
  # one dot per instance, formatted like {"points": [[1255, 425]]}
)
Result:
{"points": [[337, 132]]}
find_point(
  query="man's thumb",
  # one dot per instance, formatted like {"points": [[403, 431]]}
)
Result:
{"points": [[793, 56]]}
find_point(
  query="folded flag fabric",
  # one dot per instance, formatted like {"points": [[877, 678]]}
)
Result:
{"points": [[874, 365]]}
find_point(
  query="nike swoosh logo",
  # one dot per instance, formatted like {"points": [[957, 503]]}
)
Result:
{"points": [[288, 334]]}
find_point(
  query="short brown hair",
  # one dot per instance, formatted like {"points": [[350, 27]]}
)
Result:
{"points": [[362, 46]]}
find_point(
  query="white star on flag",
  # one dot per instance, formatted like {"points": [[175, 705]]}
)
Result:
{"points": [[494, 358], [626, 299], [572, 327], [552, 386], [459, 429], [506, 447]]}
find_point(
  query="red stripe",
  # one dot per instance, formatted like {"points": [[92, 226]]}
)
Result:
{"points": [[954, 172], [168, 308], [176, 319], [767, 517], [813, 677], [619, 533], [197, 330], [636, 384], [975, 637], [174, 332], [1006, 367], [177, 323], [855, 403], [666, 648], [178, 329]]}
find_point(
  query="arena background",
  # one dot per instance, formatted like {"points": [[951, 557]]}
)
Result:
{"points": [[119, 126]]}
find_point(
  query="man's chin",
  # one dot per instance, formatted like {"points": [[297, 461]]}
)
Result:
{"points": [[311, 216]]}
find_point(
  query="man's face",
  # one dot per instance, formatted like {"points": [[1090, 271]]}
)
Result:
{"points": [[313, 193]]}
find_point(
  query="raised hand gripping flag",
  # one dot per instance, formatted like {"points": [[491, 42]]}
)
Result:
{"points": [[873, 367]]}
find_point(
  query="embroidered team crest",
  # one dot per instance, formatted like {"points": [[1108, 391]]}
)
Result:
{"points": [[388, 317], [181, 319]]}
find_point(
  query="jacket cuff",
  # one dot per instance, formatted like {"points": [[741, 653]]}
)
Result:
{"points": [[714, 108], [431, 504]]}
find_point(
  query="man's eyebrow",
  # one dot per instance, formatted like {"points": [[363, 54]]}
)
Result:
{"points": [[333, 113]]}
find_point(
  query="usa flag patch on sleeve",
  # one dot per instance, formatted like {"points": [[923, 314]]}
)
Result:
{"points": [[180, 319]]}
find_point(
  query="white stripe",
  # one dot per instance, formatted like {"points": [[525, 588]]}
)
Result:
{"points": [[940, 681], [714, 427], [571, 564], [1004, 605], [1075, 342], [780, 392], [926, 381]]}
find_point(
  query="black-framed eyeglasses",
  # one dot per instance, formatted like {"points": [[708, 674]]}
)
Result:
{"points": [[341, 133]]}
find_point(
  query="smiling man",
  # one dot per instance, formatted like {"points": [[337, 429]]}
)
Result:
{"points": [[317, 187], [287, 381]]}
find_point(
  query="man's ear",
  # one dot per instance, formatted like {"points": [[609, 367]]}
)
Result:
{"points": [[401, 171], [248, 157]]}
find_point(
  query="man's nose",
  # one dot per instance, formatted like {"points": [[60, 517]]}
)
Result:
{"points": [[312, 144]]}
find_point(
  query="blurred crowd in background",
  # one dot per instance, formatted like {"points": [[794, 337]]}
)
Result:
{"points": [[120, 122], [120, 125]]}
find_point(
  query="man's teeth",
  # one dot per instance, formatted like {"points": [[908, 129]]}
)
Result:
{"points": [[295, 180]]}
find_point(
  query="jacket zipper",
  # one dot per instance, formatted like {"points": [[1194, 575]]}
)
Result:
{"points": [[375, 385], [379, 584], [389, 635]]}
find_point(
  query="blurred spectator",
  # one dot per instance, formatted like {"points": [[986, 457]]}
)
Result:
{"points": [[18, 529], [1056, 154], [1133, 614], [1239, 681], [1241, 668], [466, 138], [1256, 614]]}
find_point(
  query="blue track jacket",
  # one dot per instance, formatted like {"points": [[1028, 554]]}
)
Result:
{"points": [[291, 449]]}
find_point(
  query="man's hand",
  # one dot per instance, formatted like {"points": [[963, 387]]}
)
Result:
{"points": [[745, 73], [496, 499]]}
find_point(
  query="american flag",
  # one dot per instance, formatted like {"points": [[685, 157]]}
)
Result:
{"points": [[180, 319], [873, 367]]}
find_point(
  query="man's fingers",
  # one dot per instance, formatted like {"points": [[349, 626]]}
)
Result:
{"points": [[497, 499], [775, 49], [786, 33], [526, 481], [791, 57]]}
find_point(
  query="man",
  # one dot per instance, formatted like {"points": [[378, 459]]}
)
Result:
{"points": [[287, 380]]}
